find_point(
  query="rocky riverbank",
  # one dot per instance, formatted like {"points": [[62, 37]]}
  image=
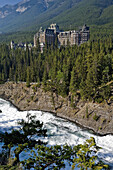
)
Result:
{"points": [[98, 117]]}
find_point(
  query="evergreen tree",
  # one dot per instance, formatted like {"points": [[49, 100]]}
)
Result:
{"points": [[87, 158], [28, 79], [74, 81], [23, 138]]}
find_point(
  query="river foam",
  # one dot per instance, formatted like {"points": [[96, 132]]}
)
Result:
{"points": [[60, 131]]}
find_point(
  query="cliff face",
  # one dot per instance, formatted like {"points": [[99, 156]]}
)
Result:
{"points": [[98, 117]]}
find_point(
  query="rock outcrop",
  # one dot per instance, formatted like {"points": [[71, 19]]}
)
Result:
{"points": [[98, 117]]}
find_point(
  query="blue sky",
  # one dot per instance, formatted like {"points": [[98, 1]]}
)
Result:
{"points": [[4, 2]]}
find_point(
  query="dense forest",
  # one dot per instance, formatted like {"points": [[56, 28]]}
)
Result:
{"points": [[85, 70], [17, 37]]}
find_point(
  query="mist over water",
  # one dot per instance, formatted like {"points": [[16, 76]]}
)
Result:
{"points": [[59, 131]]}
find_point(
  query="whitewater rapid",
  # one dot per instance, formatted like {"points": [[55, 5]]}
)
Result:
{"points": [[60, 131]]}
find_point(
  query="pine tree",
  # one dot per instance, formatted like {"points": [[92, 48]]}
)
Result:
{"points": [[86, 156], [23, 138], [74, 81], [28, 79]]}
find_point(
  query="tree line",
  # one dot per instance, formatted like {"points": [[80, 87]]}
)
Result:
{"points": [[85, 70]]}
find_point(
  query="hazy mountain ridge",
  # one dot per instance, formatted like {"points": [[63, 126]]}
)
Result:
{"points": [[11, 2], [31, 14]]}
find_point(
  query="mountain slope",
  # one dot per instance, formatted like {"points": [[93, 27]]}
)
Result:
{"points": [[89, 12], [31, 14], [3, 2], [22, 14], [36, 12]]}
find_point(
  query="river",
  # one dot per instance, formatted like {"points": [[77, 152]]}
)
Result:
{"points": [[60, 131]]}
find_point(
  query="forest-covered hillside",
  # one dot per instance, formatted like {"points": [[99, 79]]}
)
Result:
{"points": [[30, 15], [86, 70]]}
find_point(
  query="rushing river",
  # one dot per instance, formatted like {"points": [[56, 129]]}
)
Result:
{"points": [[60, 131]]}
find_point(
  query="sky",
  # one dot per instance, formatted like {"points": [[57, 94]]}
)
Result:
{"points": [[4, 2]]}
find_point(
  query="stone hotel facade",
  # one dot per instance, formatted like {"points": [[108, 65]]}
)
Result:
{"points": [[64, 38]]}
